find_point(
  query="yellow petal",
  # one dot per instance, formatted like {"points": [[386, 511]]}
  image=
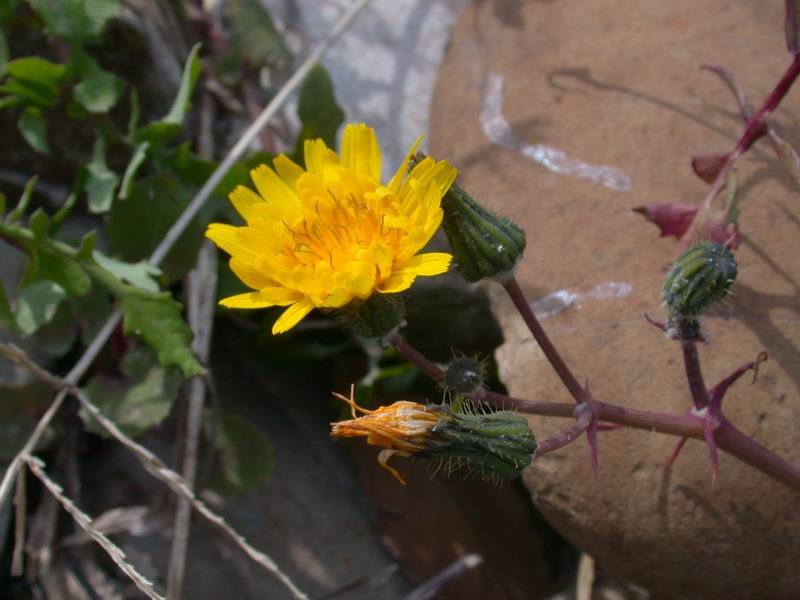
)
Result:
{"points": [[229, 239], [360, 151], [397, 282], [338, 298], [292, 316], [246, 300], [243, 200], [272, 188], [319, 157], [280, 296], [394, 184], [250, 276], [431, 263], [288, 170]]}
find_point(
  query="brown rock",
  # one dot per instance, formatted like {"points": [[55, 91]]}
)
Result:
{"points": [[616, 82]]}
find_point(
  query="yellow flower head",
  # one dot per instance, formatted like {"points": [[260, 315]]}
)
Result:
{"points": [[402, 428], [331, 233]]}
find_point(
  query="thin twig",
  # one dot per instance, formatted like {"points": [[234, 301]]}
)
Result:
{"points": [[202, 285], [156, 467], [114, 552], [20, 509], [30, 445], [433, 586], [18, 355]]}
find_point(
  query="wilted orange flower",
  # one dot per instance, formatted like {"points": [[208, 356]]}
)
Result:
{"points": [[331, 233], [402, 428]]}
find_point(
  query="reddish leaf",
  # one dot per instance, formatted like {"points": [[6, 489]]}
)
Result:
{"points": [[671, 219], [707, 167], [675, 219]]}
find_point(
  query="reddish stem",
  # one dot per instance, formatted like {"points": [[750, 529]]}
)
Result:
{"points": [[728, 438], [755, 127], [694, 376], [564, 373], [566, 437]]}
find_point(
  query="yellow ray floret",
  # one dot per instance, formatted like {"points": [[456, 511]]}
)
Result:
{"points": [[332, 233]]}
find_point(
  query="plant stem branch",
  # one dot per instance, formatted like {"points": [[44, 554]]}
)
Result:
{"points": [[755, 127], [562, 370], [694, 375], [727, 437]]}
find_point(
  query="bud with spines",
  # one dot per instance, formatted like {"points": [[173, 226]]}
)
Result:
{"points": [[495, 444], [464, 375], [700, 277]]}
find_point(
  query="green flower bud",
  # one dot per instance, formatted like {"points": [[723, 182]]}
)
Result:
{"points": [[377, 316], [464, 375], [484, 244], [700, 277], [497, 445]]}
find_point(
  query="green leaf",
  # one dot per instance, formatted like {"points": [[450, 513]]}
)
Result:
{"points": [[66, 272], [77, 20], [2, 204], [7, 8], [138, 400], [254, 41], [36, 69], [318, 111], [11, 102], [99, 90], [191, 71], [133, 118], [140, 274], [24, 200], [86, 247], [158, 132], [137, 224], [34, 129], [36, 304], [61, 213], [156, 318], [101, 181], [244, 456], [139, 154], [3, 52], [39, 223], [6, 314]]}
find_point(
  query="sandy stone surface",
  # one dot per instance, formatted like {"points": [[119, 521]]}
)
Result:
{"points": [[566, 115]]}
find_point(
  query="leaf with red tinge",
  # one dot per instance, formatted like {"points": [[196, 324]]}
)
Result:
{"points": [[793, 26], [707, 167], [671, 219], [787, 154], [675, 219]]}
